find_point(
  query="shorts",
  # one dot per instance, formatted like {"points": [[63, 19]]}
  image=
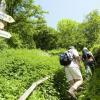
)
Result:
{"points": [[72, 73]]}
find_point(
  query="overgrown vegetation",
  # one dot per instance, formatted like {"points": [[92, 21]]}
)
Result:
{"points": [[22, 65], [19, 68], [92, 87], [31, 30], [53, 89]]}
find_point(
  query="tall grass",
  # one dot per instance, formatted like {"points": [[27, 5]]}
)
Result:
{"points": [[19, 68]]}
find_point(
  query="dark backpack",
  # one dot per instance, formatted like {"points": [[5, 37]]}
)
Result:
{"points": [[65, 58], [87, 55]]}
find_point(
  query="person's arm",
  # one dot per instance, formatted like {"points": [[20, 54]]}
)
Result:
{"points": [[92, 56], [78, 61], [77, 57]]}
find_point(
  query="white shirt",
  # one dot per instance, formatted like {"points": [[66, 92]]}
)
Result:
{"points": [[76, 54]]}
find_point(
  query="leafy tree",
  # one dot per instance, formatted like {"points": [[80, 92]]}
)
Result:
{"points": [[46, 38], [28, 16], [68, 32], [81, 39], [91, 27]]}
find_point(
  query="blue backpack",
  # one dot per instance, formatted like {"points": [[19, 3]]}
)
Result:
{"points": [[65, 58]]}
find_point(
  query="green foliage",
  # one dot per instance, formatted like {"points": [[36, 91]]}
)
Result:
{"points": [[79, 34], [69, 34], [31, 31], [94, 87], [3, 44], [56, 87], [91, 27], [67, 25], [98, 40], [66, 29], [96, 50], [80, 37], [53, 89], [15, 41], [46, 38], [19, 68], [91, 88], [28, 16], [56, 51]]}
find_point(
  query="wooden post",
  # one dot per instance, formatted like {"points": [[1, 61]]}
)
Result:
{"points": [[32, 87]]}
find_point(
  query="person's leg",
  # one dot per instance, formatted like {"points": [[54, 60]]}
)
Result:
{"points": [[68, 74], [77, 80], [91, 64], [71, 82], [92, 69], [87, 69], [77, 84], [72, 94], [88, 72], [69, 77], [77, 77], [74, 87]]}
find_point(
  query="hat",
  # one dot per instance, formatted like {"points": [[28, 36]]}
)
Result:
{"points": [[85, 48], [71, 47]]}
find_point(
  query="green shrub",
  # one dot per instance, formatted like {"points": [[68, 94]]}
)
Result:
{"points": [[3, 44], [19, 68], [92, 87], [16, 41], [96, 52], [45, 40], [56, 51], [53, 89]]}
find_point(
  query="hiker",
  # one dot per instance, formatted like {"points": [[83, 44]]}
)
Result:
{"points": [[89, 62], [73, 72]]}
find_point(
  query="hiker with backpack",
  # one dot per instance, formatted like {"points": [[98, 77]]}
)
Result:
{"points": [[72, 70], [89, 61]]}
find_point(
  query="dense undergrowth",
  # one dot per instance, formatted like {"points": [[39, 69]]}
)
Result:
{"points": [[55, 88], [92, 87], [20, 68]]}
